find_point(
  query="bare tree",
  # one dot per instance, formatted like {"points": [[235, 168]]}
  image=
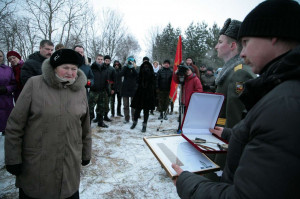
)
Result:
{"points": [[150, 39], [112, 32], [128, 46], [46, 15], [5, 9]]}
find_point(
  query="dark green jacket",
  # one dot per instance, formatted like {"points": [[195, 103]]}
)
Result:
{"points": [[230, 84]]}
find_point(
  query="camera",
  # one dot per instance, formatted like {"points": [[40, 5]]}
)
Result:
{"points": [[181, 72]]}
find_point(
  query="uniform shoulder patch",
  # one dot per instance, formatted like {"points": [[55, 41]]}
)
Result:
{"points": [[238, 67], [239, 87]]}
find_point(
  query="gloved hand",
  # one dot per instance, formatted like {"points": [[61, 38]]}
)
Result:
{"points": [[85, 162], [3, 90], [14, 169]]}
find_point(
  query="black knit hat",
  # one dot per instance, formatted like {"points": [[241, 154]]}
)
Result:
{"points": [[167, 61], [210, 69], [146, 59], [273, 18], [65, 56], [231, 28], [107, 57]]}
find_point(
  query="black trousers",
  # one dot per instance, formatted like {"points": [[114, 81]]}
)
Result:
{"points": [[112, 103], [138, 112], [22, 195]]}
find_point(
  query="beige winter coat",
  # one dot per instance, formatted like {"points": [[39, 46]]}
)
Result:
{"points": [[49, 132]]}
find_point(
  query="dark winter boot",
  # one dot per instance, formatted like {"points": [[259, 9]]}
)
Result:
{"points": [[151, 112], [165, 117], [144, 127], [95, 120], [161, 116], [133, 125], [112, 111], [106, 118], [119, 112], [100, 122]]}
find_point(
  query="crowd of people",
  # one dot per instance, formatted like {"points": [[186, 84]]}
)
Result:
{"points": [[48, 102]]}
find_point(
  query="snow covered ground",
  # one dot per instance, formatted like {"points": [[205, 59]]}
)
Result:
{"points": [[122, 165]]}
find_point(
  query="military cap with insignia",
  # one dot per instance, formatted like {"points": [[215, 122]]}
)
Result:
{"points": [[231, 28]]}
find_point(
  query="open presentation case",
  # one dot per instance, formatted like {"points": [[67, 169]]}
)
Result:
{"points": [[201, 115], [170, 149]]}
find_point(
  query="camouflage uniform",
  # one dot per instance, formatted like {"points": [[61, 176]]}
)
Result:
{"points": [[101, 99]]}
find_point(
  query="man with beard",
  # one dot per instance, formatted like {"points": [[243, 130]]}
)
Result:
{"points": [[33, 65]]}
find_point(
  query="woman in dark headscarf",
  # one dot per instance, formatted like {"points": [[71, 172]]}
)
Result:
{"points": [[144, 97]]}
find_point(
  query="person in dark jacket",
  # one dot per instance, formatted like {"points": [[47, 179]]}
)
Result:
{"points": [[99, 93], [111, 73], [117, 85], [144, 98], [129, 86], [208, 80], [164, 79], [33, 65], [263, 157], [85, 68]]}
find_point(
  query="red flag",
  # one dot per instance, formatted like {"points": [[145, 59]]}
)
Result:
{"points": [[177, 61]]}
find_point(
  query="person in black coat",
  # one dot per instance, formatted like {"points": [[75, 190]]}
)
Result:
{"points": [[129, 86], [144, 97], [164, 79], [263, 157], [33, 65], [117, 85]]}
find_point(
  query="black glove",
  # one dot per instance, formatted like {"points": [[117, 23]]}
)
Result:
{"points": [[14, 169], [3, 90], [85, 162]]}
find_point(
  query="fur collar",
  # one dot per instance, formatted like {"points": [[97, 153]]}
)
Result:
{"points": [[50, 78]]}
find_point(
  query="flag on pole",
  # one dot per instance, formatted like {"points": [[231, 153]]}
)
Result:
{"points": [[177, 61]]}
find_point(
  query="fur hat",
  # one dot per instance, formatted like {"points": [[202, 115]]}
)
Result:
{"points": [[65, 56], [13, 53], [107, 57], [276, 18], [231, 28]]}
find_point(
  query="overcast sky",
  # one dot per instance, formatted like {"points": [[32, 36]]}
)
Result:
{"points": [[141, 15]]}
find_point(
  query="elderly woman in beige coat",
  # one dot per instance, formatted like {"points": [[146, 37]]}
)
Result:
{"points": [[48, 135]]}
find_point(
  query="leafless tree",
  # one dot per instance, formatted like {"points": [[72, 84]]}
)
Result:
{"points": [[150, 39], [46, 15], [128, 46]]}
